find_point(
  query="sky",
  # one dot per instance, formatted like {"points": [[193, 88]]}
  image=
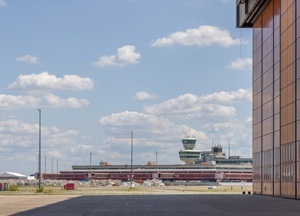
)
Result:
{"points": [[165, 70]]}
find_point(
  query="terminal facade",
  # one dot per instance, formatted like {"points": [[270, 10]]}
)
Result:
{"points": [[276, 94]]}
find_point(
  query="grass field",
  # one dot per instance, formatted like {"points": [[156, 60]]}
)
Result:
{"points": [[115, 190]]}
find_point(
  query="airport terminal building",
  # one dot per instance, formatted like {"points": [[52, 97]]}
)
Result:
{"points": [[276, 94]]}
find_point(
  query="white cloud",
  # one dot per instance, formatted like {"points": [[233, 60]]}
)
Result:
{"points": [[223, 97], [8, 102], [204, 35], [241, 64], [225, 1], [144, 96], [151, 134], [14, 133], [56, 102], [19, 142], [46, 81], [2, 3], [146, 125], [191, 106], [248, 121], [126, 55], [82, 148], [28, 58]]}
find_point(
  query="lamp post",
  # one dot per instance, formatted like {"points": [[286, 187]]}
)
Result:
{"points": [[40, 145], [91, 163], [131, 174], [156, 160]]}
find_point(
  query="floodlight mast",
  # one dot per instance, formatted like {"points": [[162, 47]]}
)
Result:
{"points": [[40, 145], [131, 174]]}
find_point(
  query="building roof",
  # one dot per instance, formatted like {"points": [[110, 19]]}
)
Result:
{"points": [[248, 11], [12, 174]]}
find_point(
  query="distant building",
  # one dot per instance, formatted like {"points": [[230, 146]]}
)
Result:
{"points": [[12, 175], [276, 94]]}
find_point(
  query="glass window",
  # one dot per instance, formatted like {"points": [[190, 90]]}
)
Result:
{"points": [[284, 40], [298, 112], [283, 116], [284, 134], [276, 139], [276, 54], [291, 113], [284, 59], [284, 78], [276, 122], [256, 101], [291, 74], [276, 105], [276, 71], [283, 97], [291, 93], [291, 133], [256, 86], [291, 54], [298, 89], [276, 88], [291, 34], [257, 71]]}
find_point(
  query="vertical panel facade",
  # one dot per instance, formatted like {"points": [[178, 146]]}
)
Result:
{"points": [[276, 95], [288, 102]]}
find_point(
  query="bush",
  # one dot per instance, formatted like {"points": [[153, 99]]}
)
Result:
{"points": [[13, 188], [40, 190]]}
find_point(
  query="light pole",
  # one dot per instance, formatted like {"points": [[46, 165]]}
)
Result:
{"points": [[131, 175], [40, 145], [156, 160], [91, 163]]}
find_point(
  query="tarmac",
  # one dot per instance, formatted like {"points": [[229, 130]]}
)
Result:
{"points": [[137, 205]]}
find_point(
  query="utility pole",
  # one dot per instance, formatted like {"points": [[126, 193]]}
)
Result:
{"points": [[40, 145], [45, 164], [90, 162], [131, 176]]}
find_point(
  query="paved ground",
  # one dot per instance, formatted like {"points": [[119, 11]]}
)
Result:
{"points": [[137, 205]]}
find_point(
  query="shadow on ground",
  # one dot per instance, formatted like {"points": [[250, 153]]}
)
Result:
{"points": [[174, 205]]}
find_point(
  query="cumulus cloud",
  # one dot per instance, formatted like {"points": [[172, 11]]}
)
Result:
{"points": [[46, 81], [126, 55], [151, 133], [239, 133], [19, 142], [144, 96], [191, 106], [8, 102], [225, 1], [28, 58], [15, 134], [204, 35], [146, 125], [2, 3], [228, 97], [241, 64], [248, 121]]}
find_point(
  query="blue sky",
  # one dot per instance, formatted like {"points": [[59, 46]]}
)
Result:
{"points": [[99, 69]]}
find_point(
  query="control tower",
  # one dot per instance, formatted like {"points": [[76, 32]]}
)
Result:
{"points": [[188, 154]]}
